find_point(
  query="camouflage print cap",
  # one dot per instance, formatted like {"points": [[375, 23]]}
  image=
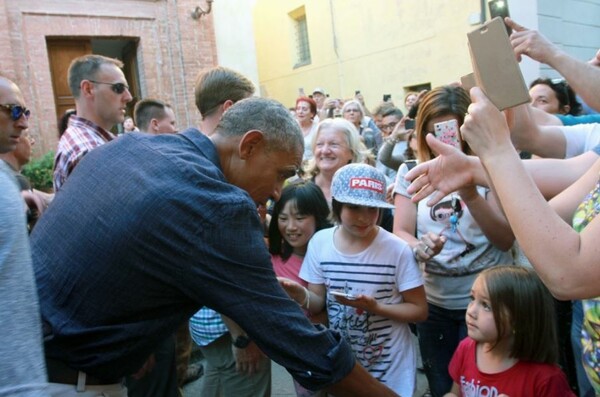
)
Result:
{"points": [[360, 184]]}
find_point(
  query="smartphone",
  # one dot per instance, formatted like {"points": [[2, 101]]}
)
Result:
{"points": [[356, 92], [342, 294], [447, 132], [387, 97], [499, 8], [409, 124]]}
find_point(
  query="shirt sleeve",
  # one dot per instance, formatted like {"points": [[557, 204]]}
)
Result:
{"points": [[580, 138], [555, 385], [456, 363], [234, 276], [401, 183]]}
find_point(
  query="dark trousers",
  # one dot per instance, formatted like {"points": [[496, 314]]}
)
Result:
{"points": [[439, 336], [161, 381]]}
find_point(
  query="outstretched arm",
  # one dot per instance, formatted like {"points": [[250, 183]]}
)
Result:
{"points": [[564, 259], [452, 170], [546, 140], [584, 77], [489, 217]]}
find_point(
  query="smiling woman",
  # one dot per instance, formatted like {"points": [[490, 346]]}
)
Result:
{"points": [[335, 144]]}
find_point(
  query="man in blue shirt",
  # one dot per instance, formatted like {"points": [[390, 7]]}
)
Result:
{"points": [[151, 228]]}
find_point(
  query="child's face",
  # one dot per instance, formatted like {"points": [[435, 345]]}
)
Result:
{"points": [[296, 228], [481, 325], [128, 124], [359, 221]]}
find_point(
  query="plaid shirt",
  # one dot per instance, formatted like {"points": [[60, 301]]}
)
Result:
{"points": [[206, 326], [80, 137]]}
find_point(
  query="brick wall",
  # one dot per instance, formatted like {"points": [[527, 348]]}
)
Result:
{"points": [[172, 48]]}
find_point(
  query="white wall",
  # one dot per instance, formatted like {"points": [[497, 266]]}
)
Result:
{"points": [[234, 34], [525, 12], [573, 25]]}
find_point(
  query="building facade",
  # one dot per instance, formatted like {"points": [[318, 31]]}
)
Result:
{"points": [[393, 46], [162, 45]]}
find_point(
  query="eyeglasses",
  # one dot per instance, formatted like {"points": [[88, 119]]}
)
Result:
{"points": [[17, 111], [390, 126], [118, 88]]}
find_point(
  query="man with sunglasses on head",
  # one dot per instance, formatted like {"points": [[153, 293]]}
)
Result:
{"points": [[101, 95], [22, 368]]}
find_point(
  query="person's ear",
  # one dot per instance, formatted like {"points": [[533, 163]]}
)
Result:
{"points": [[227, 104], [566, 109], [85, 87], [153, 126], [250, 144]]}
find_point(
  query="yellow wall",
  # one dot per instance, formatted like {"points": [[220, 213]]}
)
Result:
{"points": [[383, 46]]}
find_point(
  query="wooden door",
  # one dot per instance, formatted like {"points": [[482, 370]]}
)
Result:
{"points": [[60, 55], [131, 75]]}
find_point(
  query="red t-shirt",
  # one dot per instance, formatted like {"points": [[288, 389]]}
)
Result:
{"points": [[524, 379]]}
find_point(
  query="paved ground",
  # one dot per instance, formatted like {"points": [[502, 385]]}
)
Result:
{"points": [[282, 385]]}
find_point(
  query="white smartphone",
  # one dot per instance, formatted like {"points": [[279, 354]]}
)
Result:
{"points": [[447, 132], [342, 294]]}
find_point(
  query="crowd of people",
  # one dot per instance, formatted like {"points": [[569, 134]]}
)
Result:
{"points": [[321, 238]]}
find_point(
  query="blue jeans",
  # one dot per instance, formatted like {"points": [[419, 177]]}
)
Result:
{"points": [[439, 336]]}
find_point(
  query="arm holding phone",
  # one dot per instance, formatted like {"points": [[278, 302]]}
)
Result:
{"points": [[583, 77], [385, 154]]}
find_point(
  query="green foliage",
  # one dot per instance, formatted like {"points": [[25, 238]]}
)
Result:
{"points": [[39, 172]]}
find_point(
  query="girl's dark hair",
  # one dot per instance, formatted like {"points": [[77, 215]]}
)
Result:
{"points": [[564, 94], [336, 211], [309, 200], [523, 306]]}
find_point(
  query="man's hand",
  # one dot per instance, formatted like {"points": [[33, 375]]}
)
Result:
{"points": [[446, 173], [531, 43], [249, 359]]}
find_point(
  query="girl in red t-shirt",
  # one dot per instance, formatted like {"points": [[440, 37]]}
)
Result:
{"points": [[511, 349]]}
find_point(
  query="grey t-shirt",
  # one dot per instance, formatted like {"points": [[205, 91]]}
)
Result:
{"points": [[22, 365]]}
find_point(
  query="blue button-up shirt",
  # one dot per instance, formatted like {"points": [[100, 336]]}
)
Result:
{"points": [[147, 230]]}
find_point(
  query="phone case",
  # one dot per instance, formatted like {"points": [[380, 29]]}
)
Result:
{"points": [[496, 69], [447, 132]]}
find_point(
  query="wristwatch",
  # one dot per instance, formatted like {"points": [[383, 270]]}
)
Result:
{"points": [[241, 342]]}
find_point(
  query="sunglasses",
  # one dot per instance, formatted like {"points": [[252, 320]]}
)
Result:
{"points": [[118, 88], [17, 111]]}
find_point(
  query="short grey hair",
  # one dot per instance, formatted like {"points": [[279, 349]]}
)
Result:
{"points": [[281, 131]]}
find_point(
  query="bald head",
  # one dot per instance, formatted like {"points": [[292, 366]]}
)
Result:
{"points": [[13, 115]]}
